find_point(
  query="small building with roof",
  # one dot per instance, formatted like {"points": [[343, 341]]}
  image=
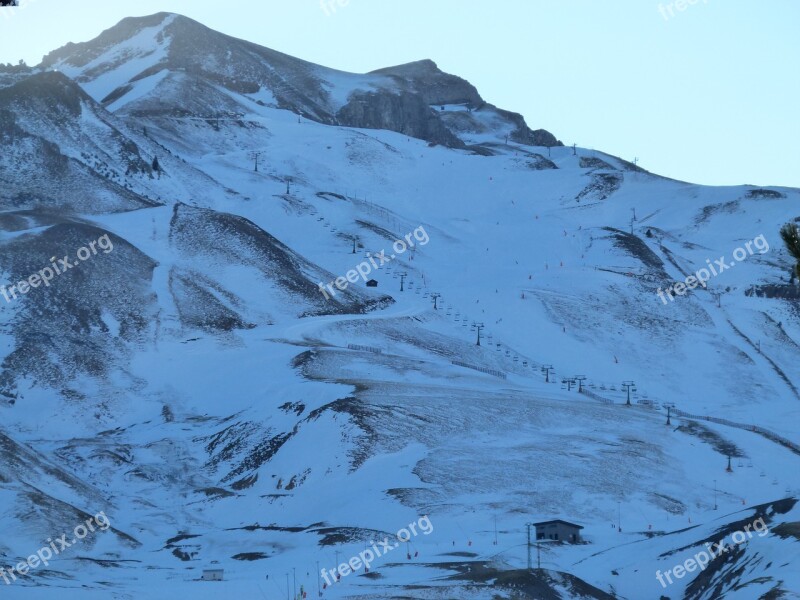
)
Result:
{"points": [[559, 531]]}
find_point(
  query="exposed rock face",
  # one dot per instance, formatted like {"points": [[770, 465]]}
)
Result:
{"points": [[542, 137], [432, 85], [785, 292], [437, 88], [405, 113]]}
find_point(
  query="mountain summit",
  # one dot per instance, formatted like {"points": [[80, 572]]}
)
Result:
{"points": [[169, 64]]}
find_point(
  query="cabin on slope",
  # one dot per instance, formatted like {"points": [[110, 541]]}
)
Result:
{"points": [[559, 531], [212, 574]]}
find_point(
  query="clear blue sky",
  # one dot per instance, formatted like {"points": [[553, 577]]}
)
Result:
{"points": [[708, 95]]}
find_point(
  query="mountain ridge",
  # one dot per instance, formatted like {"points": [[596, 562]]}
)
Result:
{"points": [[399, 98]]}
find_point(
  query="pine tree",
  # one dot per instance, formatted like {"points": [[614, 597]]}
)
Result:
{"points": [[791, 237]]}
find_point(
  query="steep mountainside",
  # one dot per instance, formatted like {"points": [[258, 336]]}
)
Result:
{"points": [[216, 376]]}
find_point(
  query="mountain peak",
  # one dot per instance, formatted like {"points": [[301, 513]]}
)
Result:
{"points": [[157, 64], [81, 54], [424, 77], [416, 68]]}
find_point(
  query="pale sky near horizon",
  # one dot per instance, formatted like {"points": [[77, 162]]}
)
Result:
{"points": [[708, 94]]}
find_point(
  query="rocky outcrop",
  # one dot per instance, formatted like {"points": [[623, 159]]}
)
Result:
{"points": [[523, 134], [434, 86], [437, 88], [405, 113]]}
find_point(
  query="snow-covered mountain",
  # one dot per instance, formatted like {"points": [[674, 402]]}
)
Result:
{"points": [[168, 64], [205, 383]]}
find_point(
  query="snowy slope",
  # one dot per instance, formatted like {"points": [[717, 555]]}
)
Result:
{"points": [[241, 419]]}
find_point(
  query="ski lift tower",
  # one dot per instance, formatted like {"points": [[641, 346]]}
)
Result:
{"points": [[629, 386], [538, 544], [479, 327]]}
